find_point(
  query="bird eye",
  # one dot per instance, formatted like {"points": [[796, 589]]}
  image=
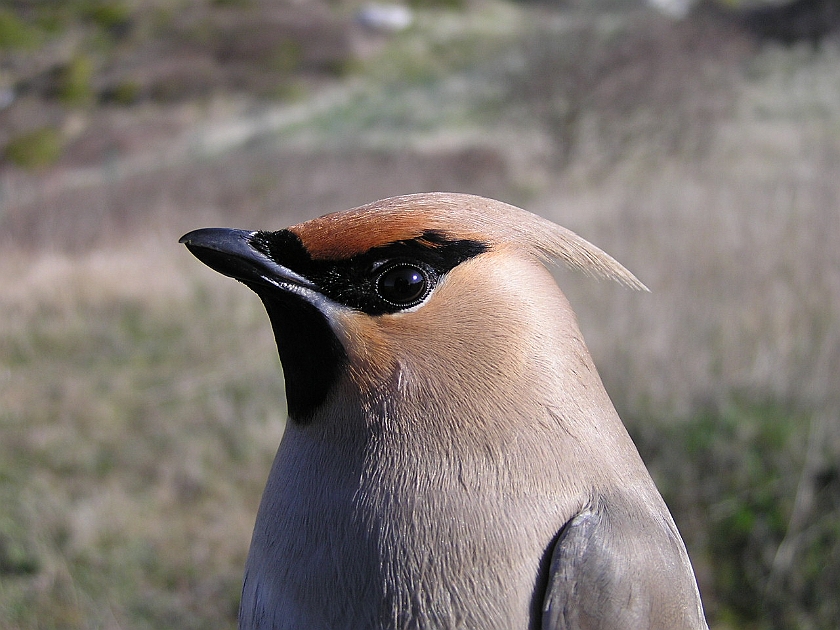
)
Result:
{"points": [[403, 285]]}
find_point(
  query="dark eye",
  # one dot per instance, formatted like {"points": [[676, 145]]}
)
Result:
{"points": [[403, 285]]}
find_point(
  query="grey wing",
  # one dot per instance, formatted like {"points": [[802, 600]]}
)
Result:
{"points": [[620, 572]]}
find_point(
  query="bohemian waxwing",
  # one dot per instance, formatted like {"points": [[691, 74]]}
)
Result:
{"points": [[451, 458]]}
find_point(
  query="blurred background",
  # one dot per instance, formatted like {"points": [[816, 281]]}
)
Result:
{"points": [[141, 400]]}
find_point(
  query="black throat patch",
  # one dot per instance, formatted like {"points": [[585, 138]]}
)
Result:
{"points": [[312, 356]]}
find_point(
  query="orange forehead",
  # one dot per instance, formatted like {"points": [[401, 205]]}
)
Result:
{"points": [[345, 234]]}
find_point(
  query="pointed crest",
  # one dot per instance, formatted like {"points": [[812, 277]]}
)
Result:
{"points": [[456, 216]]}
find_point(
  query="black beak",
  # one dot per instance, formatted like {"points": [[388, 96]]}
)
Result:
{"points": [[311, 355], [230, 252]]}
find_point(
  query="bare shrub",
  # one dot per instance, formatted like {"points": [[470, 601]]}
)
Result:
{"points": [[603, 91]]}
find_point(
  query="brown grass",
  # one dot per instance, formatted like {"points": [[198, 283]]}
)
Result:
{"points": [[132, 462]]}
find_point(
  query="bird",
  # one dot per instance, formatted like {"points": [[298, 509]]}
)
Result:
{"points": [[451, 458]]}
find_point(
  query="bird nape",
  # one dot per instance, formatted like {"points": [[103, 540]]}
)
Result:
{"points": [[451, 458]]}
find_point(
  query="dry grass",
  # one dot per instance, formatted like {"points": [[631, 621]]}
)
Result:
{"points": [[141, 407], [142, 400]]}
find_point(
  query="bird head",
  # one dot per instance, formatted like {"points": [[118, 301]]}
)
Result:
{"points": [[416, 294]]}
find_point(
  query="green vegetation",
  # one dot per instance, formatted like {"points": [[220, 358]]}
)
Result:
{"points": [[74, 86], [124, 93], [286, 57], [107, 15], [438, 4], [736, 477], [15, 33], [35, 149]]}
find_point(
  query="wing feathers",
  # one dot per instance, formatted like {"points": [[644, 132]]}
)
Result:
{"points": [[618, 568]]}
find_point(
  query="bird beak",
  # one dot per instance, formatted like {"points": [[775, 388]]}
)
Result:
{"points": [[230, 252]]}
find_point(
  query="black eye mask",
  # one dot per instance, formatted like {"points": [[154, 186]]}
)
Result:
{"points": [[385, 279]]}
